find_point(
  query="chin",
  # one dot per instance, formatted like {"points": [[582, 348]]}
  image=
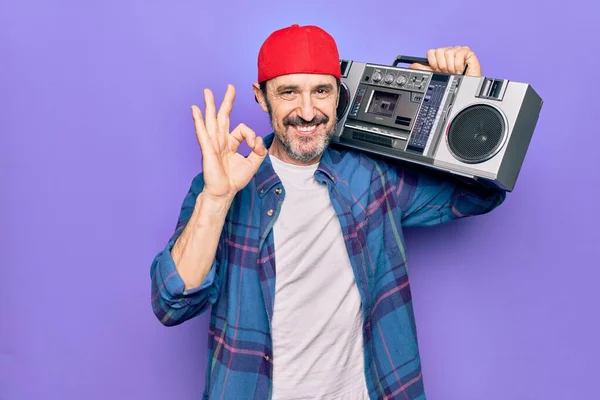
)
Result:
{"points": [[305, 145], [306, 148]]}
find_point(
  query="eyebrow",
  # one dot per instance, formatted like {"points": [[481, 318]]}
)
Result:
{"points": [[285, 88]]}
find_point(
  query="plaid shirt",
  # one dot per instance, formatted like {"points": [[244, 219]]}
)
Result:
{"points": [[373, 200]]}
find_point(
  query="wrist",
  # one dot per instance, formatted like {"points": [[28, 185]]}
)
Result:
{"points": [[216, 207]]}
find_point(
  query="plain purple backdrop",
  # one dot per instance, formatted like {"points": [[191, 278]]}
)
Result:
{"points": [[97, 150]]}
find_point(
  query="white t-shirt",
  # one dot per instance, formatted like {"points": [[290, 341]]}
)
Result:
{"points": [[317, 320]]}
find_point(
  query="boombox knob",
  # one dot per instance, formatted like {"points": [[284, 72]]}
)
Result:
{"points": [[377, 76]]}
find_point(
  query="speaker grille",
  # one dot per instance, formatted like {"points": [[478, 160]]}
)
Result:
{"points": [[476, 133], [344, 101]]}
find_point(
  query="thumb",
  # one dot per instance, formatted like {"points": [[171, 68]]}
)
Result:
{"points": [[420, 66], [257, 154]]}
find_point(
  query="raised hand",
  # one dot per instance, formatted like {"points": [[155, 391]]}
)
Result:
{"points": [[225, 170], [452, 59]]}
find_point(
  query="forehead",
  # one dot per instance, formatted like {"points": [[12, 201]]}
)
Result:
{"points": [[303, 81]]}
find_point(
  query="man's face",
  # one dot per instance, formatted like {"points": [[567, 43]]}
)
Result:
{"points": [[302, 108]]}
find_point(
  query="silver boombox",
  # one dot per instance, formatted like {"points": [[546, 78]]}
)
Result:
{"points": [[475, 127]]}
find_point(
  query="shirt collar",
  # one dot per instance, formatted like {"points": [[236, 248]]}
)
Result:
{"points": [[266, 178]]}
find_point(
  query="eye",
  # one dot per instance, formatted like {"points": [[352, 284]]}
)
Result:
{"points": [[287, 94], [322, 92]]}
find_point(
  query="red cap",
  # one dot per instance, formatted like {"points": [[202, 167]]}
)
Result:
{"points": [[298, 49]]}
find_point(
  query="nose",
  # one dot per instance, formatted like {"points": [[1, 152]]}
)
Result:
{"points": [[307, 107]]}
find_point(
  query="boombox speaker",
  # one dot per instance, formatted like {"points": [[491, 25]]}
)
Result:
{"points": [[475, 127]]}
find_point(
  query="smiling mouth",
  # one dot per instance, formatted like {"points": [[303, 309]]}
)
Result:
{"points": [[306, 129]]}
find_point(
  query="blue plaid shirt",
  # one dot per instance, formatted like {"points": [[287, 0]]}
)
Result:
{"points": [[374, 200]]}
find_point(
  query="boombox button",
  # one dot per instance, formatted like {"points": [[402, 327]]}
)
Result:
{"points": [[416, 97]]}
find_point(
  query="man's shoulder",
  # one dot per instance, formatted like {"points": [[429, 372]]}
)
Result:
{"points": [[346, 158]]}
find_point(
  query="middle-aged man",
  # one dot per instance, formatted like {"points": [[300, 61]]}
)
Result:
{"points": [[298, 247]]}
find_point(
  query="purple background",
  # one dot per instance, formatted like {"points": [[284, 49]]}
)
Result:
{"points": [[97, 150]]}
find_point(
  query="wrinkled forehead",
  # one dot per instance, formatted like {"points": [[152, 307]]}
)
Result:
{"points": [[302, 81]]}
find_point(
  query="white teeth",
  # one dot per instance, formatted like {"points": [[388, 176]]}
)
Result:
{"points": [[306, 128]]}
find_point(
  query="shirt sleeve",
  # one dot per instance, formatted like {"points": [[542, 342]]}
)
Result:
{"points": [[171, 303], [429, 198]]}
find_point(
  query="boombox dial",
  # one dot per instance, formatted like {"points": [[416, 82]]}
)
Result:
{"points": [[402, 79], [377, 76]]}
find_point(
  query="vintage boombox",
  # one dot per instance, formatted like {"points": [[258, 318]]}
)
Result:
{"points": [[474, 127]]}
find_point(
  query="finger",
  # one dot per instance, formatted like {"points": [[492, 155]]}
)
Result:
{"points": [[259, 147], [210, 115], [420, 66], [449, 56], [201, 134], [460, 59], [223, 117], [243, 132], [474, 66], [440, 58], [431, 59], [258, 154]]}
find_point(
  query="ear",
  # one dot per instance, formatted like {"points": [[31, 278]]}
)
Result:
{"points": [[258, 96]]}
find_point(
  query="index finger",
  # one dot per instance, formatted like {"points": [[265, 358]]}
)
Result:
{"points": [[420, 66], [431, 59]]}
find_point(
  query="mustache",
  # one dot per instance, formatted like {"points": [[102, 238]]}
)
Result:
{"points": [[299, 121]]}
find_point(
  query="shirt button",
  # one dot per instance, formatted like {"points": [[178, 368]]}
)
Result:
{"points": [[278, 191], [270, 213]]}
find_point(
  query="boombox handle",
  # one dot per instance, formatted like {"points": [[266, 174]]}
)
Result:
{"points": [[410, 59]]}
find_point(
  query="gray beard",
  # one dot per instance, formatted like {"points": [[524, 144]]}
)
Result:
{"points": [[301, 157], [305, 157]]}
